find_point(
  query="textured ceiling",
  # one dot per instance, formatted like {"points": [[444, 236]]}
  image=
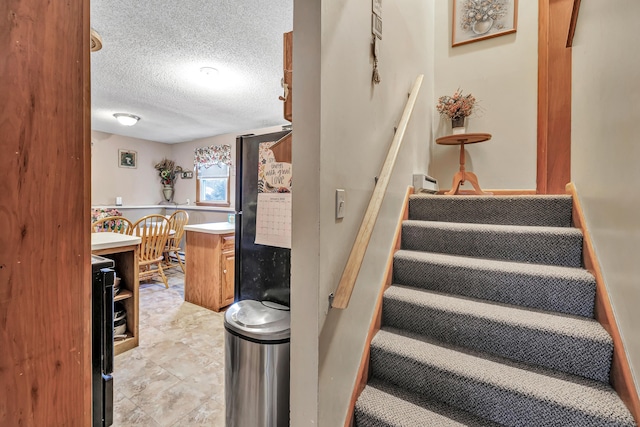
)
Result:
{"points": [[150, 64]]}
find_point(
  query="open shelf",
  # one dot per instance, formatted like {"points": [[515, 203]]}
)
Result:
{"points": [[123, 294], [126, 267], [124, 344]]}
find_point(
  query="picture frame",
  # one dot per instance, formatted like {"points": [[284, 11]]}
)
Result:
{"points": [[472, 24], [127, 159]]}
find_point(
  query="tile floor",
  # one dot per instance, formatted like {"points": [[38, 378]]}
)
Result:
{"points": [[176, 375]]}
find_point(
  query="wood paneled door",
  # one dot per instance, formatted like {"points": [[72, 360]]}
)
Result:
{"points": [[45, 271]]}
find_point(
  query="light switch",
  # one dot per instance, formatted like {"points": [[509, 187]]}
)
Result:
{"points": [[340, 203]]}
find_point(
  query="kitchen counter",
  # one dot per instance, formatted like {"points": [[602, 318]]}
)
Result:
{"points": [[212, 228], [210, 262], [108, 240]]}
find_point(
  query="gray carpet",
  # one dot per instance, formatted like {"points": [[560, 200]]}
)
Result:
{"points": [[489, 321], [549, 211]]}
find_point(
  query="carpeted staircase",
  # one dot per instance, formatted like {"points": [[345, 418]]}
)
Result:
{"points": [[489, 321]]}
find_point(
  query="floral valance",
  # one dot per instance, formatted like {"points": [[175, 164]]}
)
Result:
{"points": [[205, 157]]}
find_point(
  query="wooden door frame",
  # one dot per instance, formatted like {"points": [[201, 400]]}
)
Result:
{"points": [[45, 269], [555, 19]]}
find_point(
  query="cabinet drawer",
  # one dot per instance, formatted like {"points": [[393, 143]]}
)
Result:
{"points": [[228, 242]]}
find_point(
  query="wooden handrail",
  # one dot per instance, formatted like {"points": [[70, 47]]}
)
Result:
{"points": [[573, 22], [351, 270]]}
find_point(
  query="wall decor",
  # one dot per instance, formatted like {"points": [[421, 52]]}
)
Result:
{"points": [[376, 7], [376, 25], [127, 159], [475, 20]]}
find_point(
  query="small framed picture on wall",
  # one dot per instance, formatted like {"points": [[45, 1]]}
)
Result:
{"points": [[127, 159], [480, 20]]}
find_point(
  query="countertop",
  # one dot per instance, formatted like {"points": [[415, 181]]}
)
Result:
{"points": [[212, 228], [107, 240]]}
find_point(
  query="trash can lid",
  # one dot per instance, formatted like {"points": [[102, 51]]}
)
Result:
{"points": [[261, 320]]}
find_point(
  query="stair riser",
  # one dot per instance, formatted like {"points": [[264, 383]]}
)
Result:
{"points": [[504, 406], [578, 356], [539, 211], [545, 293], [538, 248]]}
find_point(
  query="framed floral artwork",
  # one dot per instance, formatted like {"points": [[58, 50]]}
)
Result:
{"points": [[475, 20], [127, 159]]}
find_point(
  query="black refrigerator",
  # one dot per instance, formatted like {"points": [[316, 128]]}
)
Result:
{"points": [[262, 272]]}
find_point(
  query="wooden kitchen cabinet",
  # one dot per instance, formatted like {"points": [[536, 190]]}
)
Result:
{"points": [[123, 250], [228, 270], [210, 260]]}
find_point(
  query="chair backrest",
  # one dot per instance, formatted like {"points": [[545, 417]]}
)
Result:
{"points": [[114, 224], [177, 221], [154, 232]]}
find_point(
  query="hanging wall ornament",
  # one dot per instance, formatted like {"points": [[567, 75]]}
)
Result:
{"points": [[376, 30], [376, 51]]}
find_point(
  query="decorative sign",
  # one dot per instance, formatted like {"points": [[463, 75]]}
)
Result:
{"points": [[273, 216]]}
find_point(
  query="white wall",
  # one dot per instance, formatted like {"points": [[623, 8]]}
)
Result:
{"points": [[140, 186], [605, 152], [342, 143], [502, 74]]}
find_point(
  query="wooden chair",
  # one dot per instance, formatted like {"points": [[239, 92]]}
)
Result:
{"points": [[154, 231], [114, 224], [177, 221]]}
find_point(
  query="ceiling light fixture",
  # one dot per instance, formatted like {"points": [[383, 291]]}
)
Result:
{"points": [[126, 119], [209, 71]]}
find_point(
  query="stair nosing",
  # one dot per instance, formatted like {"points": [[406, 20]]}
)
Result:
{"points": [[529, 229], [509, 314], [479, 366], [376, 386], [556, 271]]}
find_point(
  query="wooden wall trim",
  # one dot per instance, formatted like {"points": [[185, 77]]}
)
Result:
{"points": [[45, 322], [554, 97], [574, 22], [363, 372], [621, 378]]}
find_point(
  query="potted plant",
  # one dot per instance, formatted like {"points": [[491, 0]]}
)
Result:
{"points": [[167, 170], [456, 108]]}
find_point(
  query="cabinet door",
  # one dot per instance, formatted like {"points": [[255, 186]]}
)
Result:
{"points": [[227, 276]]}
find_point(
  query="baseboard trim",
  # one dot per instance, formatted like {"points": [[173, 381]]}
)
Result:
{"points": [[621, 378], [363, 371]]}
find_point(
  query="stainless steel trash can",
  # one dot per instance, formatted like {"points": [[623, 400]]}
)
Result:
{"points": [[257, 335]]}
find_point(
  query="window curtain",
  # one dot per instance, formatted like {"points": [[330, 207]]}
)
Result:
{"points": [[205, 157]]}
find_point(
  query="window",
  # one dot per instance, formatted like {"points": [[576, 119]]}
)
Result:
{"points": [[213, 185], [212, 166]]}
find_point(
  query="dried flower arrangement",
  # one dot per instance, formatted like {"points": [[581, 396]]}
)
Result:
{"points": [[100, 213], [457, 106], [167, 170]]}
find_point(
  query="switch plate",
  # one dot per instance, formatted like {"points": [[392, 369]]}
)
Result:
{"points": [[340, 203]]}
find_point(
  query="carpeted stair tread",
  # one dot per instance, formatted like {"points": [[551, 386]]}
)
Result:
{"points": [[571, 344], [538, 210], [532, 244], [381, 405], [505, 392], [551, 288]]}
